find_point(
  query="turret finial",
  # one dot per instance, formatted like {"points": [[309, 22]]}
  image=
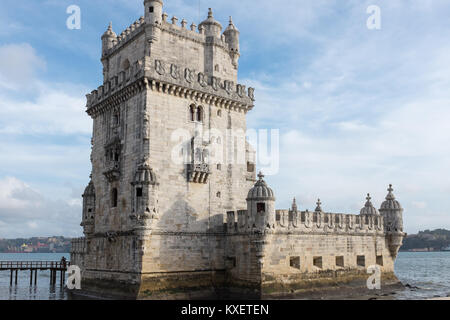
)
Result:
{"points": [[368, 197], [260, 176], [390, 195], [210, 13], [319, 206], [294, 205]]}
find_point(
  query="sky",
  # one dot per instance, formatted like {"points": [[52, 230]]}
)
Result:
{"points": [[356, 108]]}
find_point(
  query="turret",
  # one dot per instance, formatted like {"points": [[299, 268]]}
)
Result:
{"points": [[369, 209], [212, 27], [153, 11], [232, 39], [261, 206], [144, 198], [109, 38], [392, 212], [88, 219]]}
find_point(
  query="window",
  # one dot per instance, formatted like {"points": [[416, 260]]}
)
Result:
{"points": [[336, 219], [192, 113], [250, 167], [200, 114], [219, 167], [139, 192], [114, 198], [261, 207], [151, 9], [294, 262], [361, 261], [219, 113], [380, 260], [219, 195], [303, 217], [317, 261], [340, 261], [366, 220], [116, 119], [216, 68]]}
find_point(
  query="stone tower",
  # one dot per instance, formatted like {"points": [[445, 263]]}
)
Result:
{"points": [[174, 209], [165, 167]]}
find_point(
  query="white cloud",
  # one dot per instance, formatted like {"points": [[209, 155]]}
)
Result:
{"points": [[25, 212], [18, 65]]}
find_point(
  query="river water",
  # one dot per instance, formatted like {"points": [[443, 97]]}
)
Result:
{"points": [[427, 273]]}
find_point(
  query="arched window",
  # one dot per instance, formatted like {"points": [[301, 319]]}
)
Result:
{"points": [[114, 198], [199, 114], [219, 113], [192, 112]]}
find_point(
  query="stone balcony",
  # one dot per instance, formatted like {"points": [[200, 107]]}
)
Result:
{"points": [[198, 173], [112, 171]]}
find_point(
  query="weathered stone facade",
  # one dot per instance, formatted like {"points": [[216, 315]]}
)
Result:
{"points": [[160, 228]]}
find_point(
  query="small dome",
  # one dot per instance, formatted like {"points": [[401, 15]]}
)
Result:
{"points": [[90, 190], [369, 208], [109, 32], [390, 203], [231, 27], [210, 20], [260, 191], [144, 175]]}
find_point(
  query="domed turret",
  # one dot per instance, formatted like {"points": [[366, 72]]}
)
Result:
{"points": [[108, 39], [261, 205], [232, 39], [369, 208], [392, 212], [260, 190], [144, 175], [212, 27], [145, 194], [88, 218], [232, 36], [391, 203]]}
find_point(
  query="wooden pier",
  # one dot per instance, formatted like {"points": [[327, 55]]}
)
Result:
{"points": [[33, 267]]}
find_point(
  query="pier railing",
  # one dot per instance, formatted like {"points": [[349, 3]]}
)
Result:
{"points": [[28, 265], [33, 266]]}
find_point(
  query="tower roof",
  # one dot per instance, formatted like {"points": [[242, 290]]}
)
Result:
{"points": [[368, 207], [231, 26], [144, 174], [109, 32], [90, 190], [260, 191], [210, 20], [391, 203]]}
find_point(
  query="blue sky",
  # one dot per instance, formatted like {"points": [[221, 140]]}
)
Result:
{"points": [[357, 109]]}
